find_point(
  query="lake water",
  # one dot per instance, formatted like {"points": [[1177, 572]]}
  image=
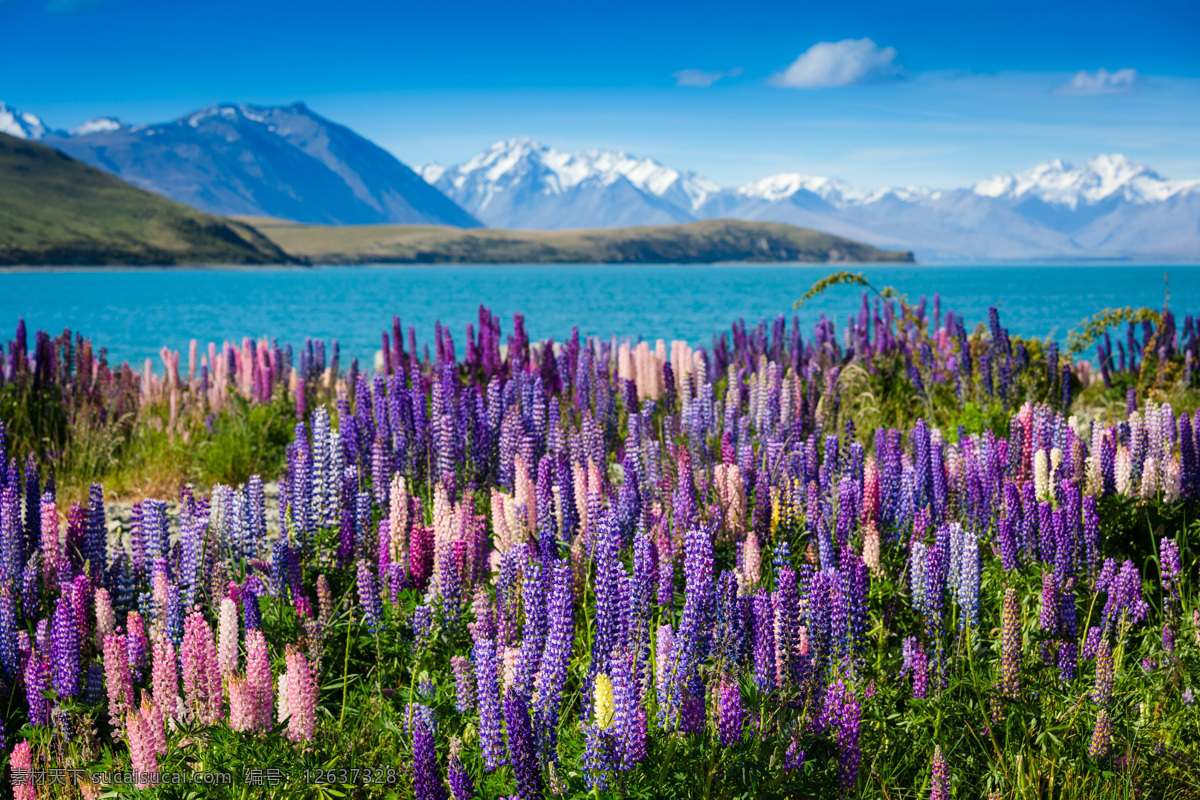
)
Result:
{"points": [[134, 312]]}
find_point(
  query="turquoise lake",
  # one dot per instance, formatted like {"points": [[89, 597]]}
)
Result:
{"points": [[134, 312]]}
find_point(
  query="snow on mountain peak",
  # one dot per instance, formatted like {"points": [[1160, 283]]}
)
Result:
{"points": [[506, 163], [20, 124], [1097, 179]]}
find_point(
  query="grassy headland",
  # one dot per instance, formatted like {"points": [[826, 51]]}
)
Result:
{"points": [[55, 210], [697, 242]]}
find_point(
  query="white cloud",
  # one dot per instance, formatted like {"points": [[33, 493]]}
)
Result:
{"points": [[701, 79], [829, 64], [1122, 81]]}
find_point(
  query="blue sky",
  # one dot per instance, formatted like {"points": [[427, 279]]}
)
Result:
{"points": [[939, 94]]}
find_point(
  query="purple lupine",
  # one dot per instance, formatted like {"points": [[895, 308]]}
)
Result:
{"points": [[461, 785], [556, 656], [37, 683], [522, 748], [487, 676], [939, 778], [1170, 570], [464, 684], [368, 595], [629, 719], [1105, 674], [427, 779], [731, 712], [843, 714], [916, 662], [65, 648]]}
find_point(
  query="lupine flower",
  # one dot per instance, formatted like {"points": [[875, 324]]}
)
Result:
{"points": [[427, 780], [1101, 736], [258, 679], [142, 752], [461, 785], [165, 677], [21, 768], [201, 672], [731, 713], [1010, 648], [368, 595], [487, 676], [117, 677], [65, 648], [522, 748], [227, 637], [843, 714], [939, 781], [301, 697], [37, 683]]}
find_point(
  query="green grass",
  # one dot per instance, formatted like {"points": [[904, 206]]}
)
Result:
{"points": [[56, 210]]}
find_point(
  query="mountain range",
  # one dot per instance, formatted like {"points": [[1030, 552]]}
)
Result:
{"points": [[237, 159], [1107, 207], [290, 163]]}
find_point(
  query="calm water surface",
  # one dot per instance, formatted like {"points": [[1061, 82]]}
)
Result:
{"points": [[134, 312]]}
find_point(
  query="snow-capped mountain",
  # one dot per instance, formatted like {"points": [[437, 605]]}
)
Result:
{"points": [[20, 124], [1096, 180], [285, 162], [1107, 207], [523, 183]]}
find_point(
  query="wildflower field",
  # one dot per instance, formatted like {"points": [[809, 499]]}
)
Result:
{"points": [[897, 557]]}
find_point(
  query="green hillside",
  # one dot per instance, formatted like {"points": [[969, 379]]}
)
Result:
{"points": [[55, 210], [697, 242]]}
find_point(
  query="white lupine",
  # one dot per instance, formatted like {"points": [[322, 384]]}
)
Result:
{"points": [[227, 637], [1172, 481], [1041, 475], [1124, 471]]}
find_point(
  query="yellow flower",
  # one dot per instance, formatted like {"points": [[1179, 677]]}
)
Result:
{"points": [[603, 702]]}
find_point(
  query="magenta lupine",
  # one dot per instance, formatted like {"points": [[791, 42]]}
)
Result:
{"points": [[21, 772], [259, 679], [939, 779], [301, 696], [117, 678], [156, 725]]}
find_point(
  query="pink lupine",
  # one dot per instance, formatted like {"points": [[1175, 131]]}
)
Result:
{"points": [[21, 764], [201, 673], [302, 697], [117, 677], [142, 753], [243, 705], [51, 548], [106, 621], [165, 677], [284, 707], [155, 724], [258, 678], [227, 637]]}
